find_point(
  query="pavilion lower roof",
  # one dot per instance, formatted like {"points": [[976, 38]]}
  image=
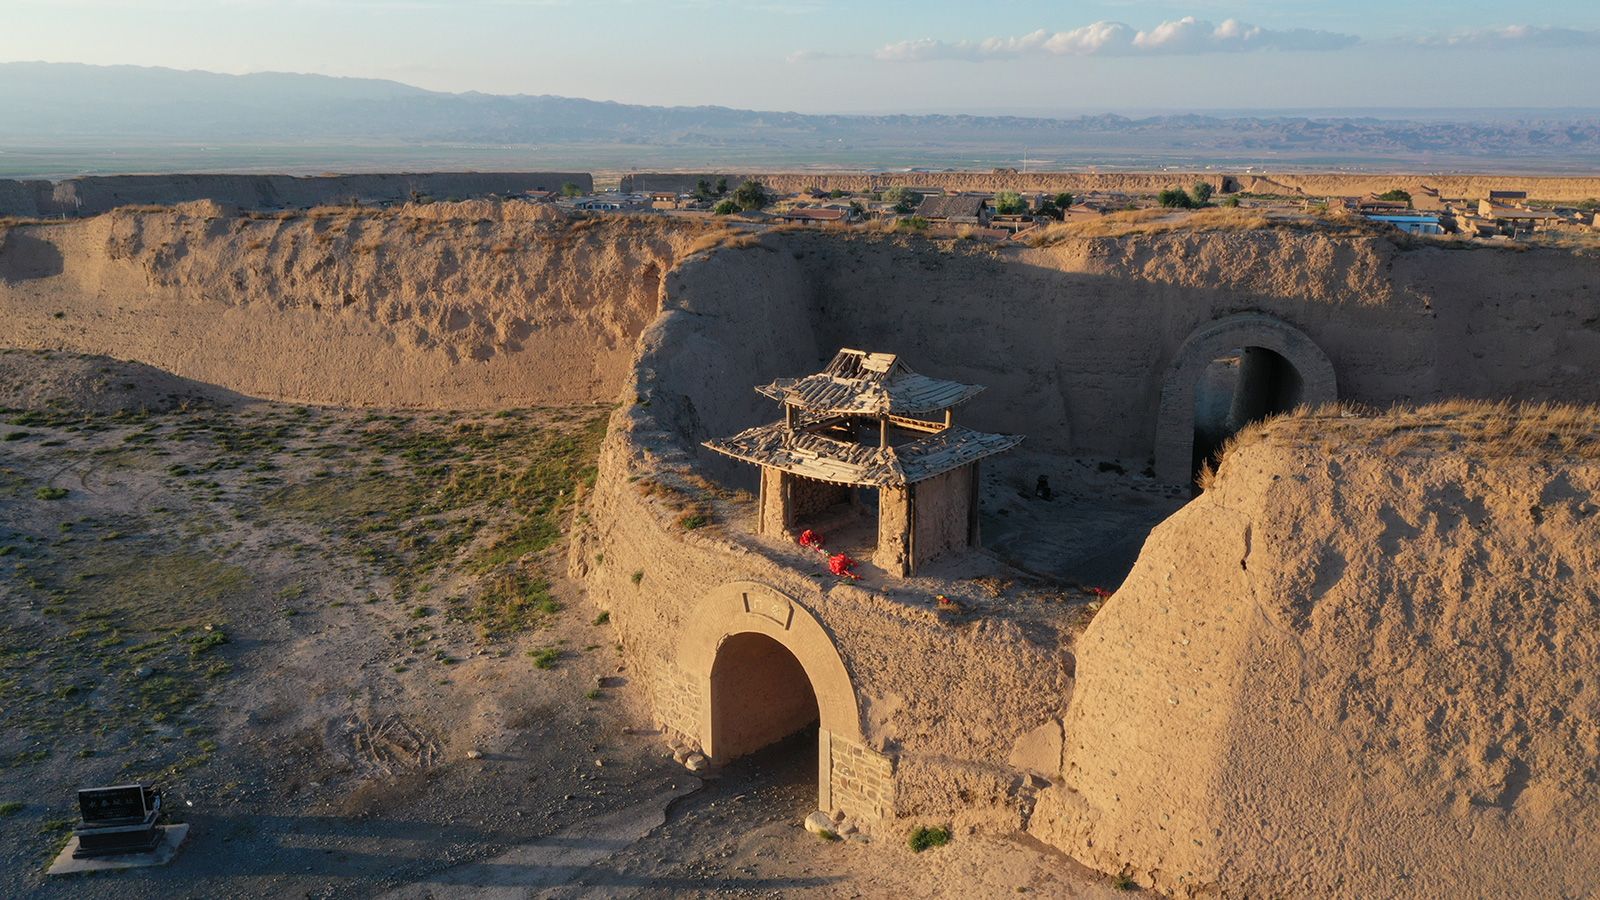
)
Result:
{"points": [[841, 462]]}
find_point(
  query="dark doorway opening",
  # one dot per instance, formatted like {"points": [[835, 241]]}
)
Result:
{"points": [[759, 695], [1240, 387]]}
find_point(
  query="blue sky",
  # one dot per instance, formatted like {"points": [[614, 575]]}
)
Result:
{"points": [[888, 55]]}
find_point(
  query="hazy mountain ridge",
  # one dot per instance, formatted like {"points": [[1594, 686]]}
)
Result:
{"points": [[49, 101]]}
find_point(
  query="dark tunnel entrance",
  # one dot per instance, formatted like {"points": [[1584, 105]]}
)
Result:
{"points": [[759, 695], [1245, 385]]}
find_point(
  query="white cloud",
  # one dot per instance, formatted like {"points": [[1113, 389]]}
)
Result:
{"points": [[1515, 36], [1187, 35]]}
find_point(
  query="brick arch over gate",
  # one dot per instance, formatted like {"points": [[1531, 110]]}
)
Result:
{"points": [[1175, 418], [749, 607], [744, 607]]}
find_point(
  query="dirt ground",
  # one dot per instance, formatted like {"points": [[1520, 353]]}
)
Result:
{"points": [[339, 641]]}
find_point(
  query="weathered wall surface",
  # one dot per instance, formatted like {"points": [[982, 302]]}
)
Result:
{"points": [[1473, 187], [1074, 340], [1048, 182], [1349, 670], [1307, 184], [466, 305], [94, 194]]}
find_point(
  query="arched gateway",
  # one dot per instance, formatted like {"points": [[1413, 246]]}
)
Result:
{"points": [[1278, 368], [761, 668]]}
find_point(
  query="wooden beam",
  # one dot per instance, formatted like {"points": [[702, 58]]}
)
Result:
{"points": [[918, 424]]}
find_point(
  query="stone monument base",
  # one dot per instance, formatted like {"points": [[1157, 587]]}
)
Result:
{"points": [[172, 836]]}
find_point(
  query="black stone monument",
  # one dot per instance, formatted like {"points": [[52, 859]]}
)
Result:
{"points": [[117, 820]]}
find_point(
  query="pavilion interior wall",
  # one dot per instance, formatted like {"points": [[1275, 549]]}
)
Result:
{"points": [[942, 518]]}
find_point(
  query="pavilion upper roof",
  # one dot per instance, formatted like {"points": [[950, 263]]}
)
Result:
{"points": [[827, 459], [861, 383]]}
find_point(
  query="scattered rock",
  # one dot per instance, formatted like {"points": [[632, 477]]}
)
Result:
{"points": [[474, 754], [696, 762], [143, 672], [821, 824]]}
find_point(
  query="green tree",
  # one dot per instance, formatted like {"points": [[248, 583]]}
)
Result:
{"points": [[1010, 203], [1231, 201], [1064, 200], [1396, 195], [1049, 208], [725, 207], [1201, 192], [1175, 198], [722, 186], [751, 196], [571, 189], [702, 190], [904, 199]]}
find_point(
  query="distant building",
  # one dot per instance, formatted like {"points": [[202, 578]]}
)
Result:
{"points": [[1416, 223], [957, 209], [1516, 198], [664, 200], [814, 215], [1080, 212], [1517, 220], [1371, 205], [540, 196]]}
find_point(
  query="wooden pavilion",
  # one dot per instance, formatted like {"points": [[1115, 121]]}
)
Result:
{"points": [[867, 423]]}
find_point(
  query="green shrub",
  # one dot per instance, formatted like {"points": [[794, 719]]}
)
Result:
{"points": [[923, 837], [546, 658], [603, 618], [725, 208], [638, 575], [50, 493]]}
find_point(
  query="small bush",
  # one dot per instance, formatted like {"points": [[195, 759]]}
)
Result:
{"points": [[50, 493], [638, 575], [924, 837], [725, 208], [1124, 882], [546, 658], [689, 521], [603, 618], [10, 808]]}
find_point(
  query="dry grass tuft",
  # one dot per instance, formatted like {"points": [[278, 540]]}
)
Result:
{"points": [[1483, 429], [731, 238]]}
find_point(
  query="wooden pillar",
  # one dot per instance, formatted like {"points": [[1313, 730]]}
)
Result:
{"points": [[974, 491], [893, 554], [774, 514]]}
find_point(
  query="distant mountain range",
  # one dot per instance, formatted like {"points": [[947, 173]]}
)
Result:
{"points": [[116, 106]]}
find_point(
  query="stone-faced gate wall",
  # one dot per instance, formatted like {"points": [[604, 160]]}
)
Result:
{"points": [[851, 777], [1175, 418]]}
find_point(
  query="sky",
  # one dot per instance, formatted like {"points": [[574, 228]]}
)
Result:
{"points": [[976, 56]]}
